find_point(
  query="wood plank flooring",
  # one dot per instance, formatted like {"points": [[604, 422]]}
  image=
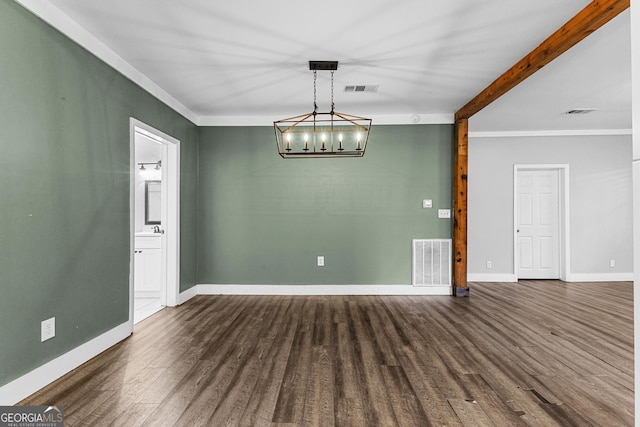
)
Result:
{"points": [[538, 353]]}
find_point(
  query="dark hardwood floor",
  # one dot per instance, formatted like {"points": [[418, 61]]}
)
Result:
{"points": [[539, 353]]}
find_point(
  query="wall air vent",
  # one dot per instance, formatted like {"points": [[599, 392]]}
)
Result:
{"points": [[577, 111], [361, 88], [432, 262]]}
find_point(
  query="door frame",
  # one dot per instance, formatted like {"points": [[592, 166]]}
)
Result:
{"points": [[563, 220], [171, 211]]}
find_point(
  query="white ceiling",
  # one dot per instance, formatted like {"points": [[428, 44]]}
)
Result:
{"points": [[249, 58], [596, 73]]}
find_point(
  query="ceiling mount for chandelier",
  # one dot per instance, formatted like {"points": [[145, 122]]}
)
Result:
{"points": [[318, 134]]}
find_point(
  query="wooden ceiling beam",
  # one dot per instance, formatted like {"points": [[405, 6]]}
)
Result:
{"points": [[593, 16]]}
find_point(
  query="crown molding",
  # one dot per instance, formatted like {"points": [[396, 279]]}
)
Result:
{"points": [[70, 28], [414, 119], [66, 25], [380, 119], [236, 120], [540, 133]]}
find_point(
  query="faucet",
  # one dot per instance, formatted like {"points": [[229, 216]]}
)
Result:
{"points": [[156, 229]]}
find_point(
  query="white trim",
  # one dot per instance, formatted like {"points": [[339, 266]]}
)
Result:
{"points": [[574, 277], [564, 206], [408, 119], [26, 385], [538, 133], [49, 13], [480, 277], [173, 221], [187, 295], [171, 248], [236, 121], [132, 218], [59, 20], [600, 277], [164, 221], [635, 120], [322, 290], [380, 119]]}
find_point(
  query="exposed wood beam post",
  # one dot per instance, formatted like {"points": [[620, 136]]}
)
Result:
{"points": [[460, 171], [593, 16]]}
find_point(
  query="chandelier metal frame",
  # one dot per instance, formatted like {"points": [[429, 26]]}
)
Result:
{"points": [[322, 134]]}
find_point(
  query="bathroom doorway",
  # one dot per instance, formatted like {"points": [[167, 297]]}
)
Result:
{"points": [[154, 221]]}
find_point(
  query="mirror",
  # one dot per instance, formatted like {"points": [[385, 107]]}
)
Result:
{"points": [[152, 197]]}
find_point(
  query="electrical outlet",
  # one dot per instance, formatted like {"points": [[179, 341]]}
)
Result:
{"points": [[48, 329], [612, 263], [320, 261], [489, 264]]}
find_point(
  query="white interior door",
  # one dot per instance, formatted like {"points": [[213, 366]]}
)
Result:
{"points": [[538, 224]]}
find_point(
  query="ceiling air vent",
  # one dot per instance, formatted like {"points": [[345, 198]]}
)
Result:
{"points": [[361, 88], [577, 111]]}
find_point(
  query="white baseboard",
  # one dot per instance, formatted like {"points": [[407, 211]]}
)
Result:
{"points": [[22, 387], [574, 277], [322, 290], [26, 385], [188, 294], [600, 277], [480, 277]]}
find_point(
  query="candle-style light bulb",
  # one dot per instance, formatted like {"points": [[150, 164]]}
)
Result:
{"points": [[340, 141], [323, 147], [306, 142], [358, 148], [288, 142]]}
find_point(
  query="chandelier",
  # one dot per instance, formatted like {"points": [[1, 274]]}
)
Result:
{"points": [[317, 134]]}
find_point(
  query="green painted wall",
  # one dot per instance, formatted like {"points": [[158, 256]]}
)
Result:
{"points": [[247, 216], [64, 190], [263, 219]]}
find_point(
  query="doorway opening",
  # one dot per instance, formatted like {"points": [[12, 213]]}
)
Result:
{"points": [[541, 222], [154, 221]]}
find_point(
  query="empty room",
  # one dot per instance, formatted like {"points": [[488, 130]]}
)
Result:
{"points": [[340, 214]]}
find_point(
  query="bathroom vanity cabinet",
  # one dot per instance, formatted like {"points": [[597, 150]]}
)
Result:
{"points": [[147, 257]]}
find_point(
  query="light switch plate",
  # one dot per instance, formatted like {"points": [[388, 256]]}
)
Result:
{"points": [[320, 261], [444, 213], [426, 204]]}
